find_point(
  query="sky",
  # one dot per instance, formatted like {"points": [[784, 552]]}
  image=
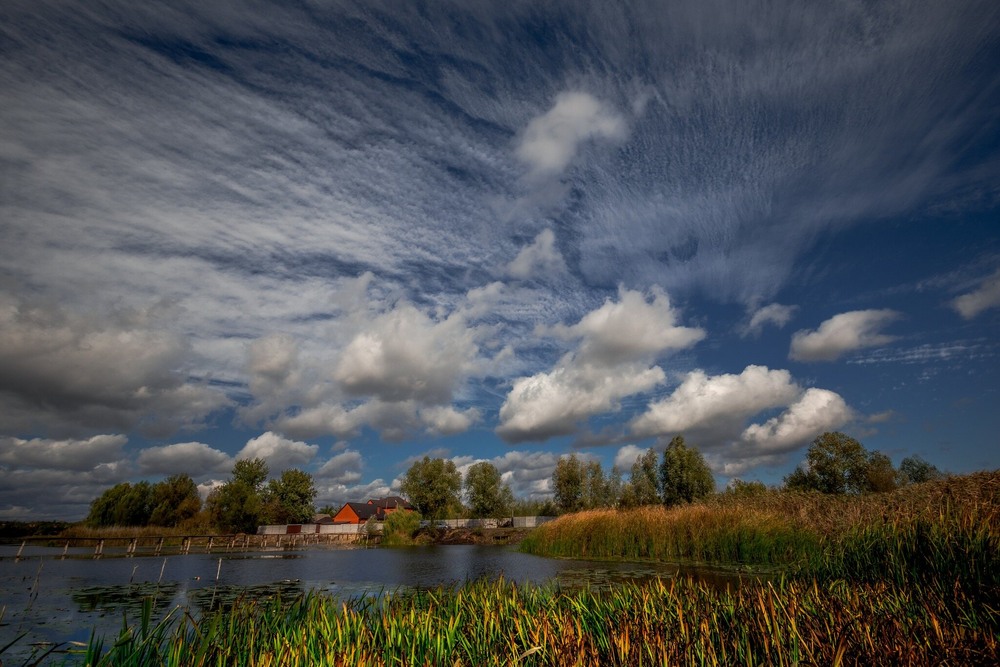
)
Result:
{"points": [[342, 236]]}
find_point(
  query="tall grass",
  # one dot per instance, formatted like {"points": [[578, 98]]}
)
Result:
{"points": [[499, 623], [726, 535], [932, 535]]}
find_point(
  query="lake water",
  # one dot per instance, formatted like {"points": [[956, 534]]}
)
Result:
{"points": [[58, 599]]}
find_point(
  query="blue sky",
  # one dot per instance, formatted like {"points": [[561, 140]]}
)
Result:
{"points": [[344, 235]]}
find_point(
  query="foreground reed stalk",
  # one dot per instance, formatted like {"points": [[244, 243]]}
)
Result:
{"points": [[499, 623]]}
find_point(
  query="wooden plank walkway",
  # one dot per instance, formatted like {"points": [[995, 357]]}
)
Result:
{"points": [[156, 545]]}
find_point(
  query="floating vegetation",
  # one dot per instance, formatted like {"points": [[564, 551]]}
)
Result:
{"points": [[128, 599]]}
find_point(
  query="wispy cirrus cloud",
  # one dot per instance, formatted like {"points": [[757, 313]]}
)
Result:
{"points": [[984, 297]]}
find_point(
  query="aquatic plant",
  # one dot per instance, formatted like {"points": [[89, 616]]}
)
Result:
{"points": [[499, 623]]}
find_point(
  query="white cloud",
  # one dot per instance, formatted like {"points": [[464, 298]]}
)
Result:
{"points": [[774, 314], [193, 458], [550, 142], [815, 412], [541, 258], [80, 455], [617, 343], [554, 403], [404, 354], [279, 453], [984, 297], [446, 420], [342, 468], [630, 329], [627, 455], [716, 404], [842, 333]]}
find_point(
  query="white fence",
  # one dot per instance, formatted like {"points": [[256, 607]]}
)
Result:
{"points": [[359, 528]]}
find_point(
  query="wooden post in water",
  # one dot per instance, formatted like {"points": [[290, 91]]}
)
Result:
{"points": [[99, 549], [18, 556], [211, 540], [131, 546], [159, 547], [186, 545], [65, 550]]}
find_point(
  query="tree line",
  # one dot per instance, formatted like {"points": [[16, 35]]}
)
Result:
{"points": [[244, 501], [835, 463]]}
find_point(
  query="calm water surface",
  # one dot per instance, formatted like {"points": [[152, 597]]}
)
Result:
{"points": [[59, 599]]}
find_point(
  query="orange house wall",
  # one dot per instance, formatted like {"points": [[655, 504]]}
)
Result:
{"points": [[347, 515]]}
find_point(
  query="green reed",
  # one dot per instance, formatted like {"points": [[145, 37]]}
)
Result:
{"points": [[931, 535], [499, 623]]}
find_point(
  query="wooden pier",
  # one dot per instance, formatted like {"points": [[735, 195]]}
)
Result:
{"points": [[163, 545]]}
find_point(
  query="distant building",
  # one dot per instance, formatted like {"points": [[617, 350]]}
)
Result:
{"points": [[378, 508]]}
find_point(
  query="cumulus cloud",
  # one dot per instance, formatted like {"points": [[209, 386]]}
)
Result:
{"points": [[842, 333], [716, 404], [629, 330], [279, 453], [554, 403], [541, 258], [815, 412], [446, 420], [617, 342], [398, 370], [550, 141], [627, 455], [342, 468], [62, 370], [984, 297], [79, 455], [404, 354], [774, 314], [193, 458]]}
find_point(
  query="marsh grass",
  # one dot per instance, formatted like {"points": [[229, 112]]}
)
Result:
{"points": [[933, 535], [499, 623]]}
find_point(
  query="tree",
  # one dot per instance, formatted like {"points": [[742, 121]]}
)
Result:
{"points": [[744, 489], [914, 470], [123, 504], [399, 528], [290, 498], [252, 472], [684, 475], [567, 481], [237, 505], [880, 476], [595, 491], [835, 463], [175, 499], [489, 496], [433, 486], [645, 482]]}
